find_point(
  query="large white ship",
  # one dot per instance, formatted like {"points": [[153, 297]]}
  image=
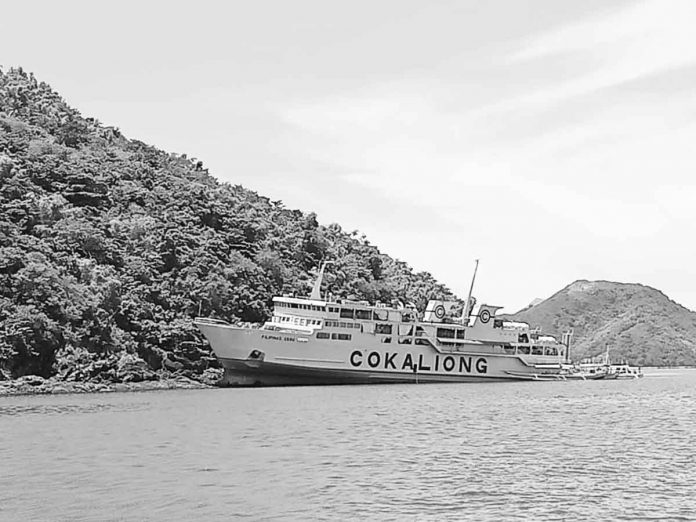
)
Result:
{"points": [[324, 341]]}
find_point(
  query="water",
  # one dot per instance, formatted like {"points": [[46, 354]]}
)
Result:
{"points": [[564, 451]]}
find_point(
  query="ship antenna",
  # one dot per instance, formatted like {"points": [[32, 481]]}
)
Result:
{"points": [[567, 336], [316, 289], [465, 314]]}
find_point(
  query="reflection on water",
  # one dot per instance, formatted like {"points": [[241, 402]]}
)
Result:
{"points": [[572, 450]]}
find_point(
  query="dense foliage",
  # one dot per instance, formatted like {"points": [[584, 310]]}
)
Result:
{"points": [[109, 247]]}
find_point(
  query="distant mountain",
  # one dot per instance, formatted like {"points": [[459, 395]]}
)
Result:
{"points": [[110, 247], [637, 323]]}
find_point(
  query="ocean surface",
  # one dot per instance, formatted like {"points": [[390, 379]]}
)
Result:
{"points": [[590, 450]]}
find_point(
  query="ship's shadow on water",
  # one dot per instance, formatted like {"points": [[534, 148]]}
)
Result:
{"points": [[501, 451]]}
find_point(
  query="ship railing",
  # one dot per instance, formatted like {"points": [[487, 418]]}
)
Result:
{"points": [[210, 320]]}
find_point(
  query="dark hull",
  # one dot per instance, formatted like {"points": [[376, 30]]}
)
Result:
{"points": [[259, 373]]}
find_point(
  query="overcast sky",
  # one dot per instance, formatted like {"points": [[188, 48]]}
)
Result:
{"points": [[554, 140]]}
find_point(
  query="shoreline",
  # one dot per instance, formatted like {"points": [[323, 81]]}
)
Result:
{"points": [[33, 385]]}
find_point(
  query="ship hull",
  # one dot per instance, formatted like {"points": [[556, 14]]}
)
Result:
{"points": [[240, 373], [253, 357]]}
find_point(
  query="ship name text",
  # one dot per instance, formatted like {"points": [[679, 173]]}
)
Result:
{"points": [[419, 363]]}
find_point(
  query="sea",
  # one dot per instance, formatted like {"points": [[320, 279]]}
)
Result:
{"points": [[587, 450]]}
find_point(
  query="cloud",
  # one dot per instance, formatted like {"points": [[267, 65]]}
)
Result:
{"points": [[635, 41], [584, 160]]}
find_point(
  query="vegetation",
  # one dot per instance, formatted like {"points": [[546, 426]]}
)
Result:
{"points": [[636, 323], [109, 247]]}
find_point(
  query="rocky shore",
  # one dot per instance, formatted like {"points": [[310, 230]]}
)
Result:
{"points": [[36, 385]]}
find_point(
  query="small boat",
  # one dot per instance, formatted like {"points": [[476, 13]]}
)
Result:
{"points": [[624, 371], [585, 372], [608, 370]]}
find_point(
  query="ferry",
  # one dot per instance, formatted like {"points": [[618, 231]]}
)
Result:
{"points": [[317, 340]]}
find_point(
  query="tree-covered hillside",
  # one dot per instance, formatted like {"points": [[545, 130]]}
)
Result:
{"points": [[636, 323], [109, 247]]}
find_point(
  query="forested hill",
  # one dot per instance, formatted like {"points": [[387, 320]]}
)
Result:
{"points": [[109, 247], [637, 323]]}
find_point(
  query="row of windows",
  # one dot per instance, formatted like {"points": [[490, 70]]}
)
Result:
{"points": [[386, 340], [301, 321], [407, 340], [534, 350], [300, 306], [334, 336], [341, 324], [450, 333], [362, 315]]}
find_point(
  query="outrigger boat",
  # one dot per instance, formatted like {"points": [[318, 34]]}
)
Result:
{"points": [[624, 371], [603, 368], [324, 341]]}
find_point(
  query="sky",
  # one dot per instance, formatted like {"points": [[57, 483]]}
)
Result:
{"points": [[553, 140]]}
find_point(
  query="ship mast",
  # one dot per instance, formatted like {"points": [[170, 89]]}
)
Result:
{"points": [[316, 289], [567, 336], [465, 313]]}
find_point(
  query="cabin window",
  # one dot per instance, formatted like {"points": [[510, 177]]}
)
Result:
{"points": [[461, 334], [523, 350], [383, 329], [323, 335], [509, 349], [551, 350], [423, 342], [365, 315], [347, 313], [497, 323], [537, 350], [340, 337], [381, 315], [404, 340], [386, 339], [445, 333], [522, 338]]}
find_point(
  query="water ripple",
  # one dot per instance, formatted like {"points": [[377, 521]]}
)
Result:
{"points": [[520, 451]]}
